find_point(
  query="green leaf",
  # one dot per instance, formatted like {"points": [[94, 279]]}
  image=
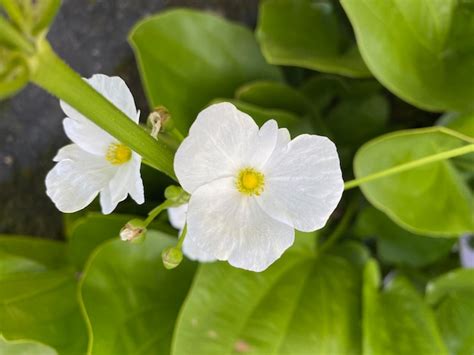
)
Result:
{"points": [[301, 304], [24, 348], [38, 295], [130, 300], [431, 199], [398, 246], [396, 320], [187, 58], [309, 34], [420, 49], [274, 95], [461, 122], [13, 72], [452, 297], [90, 231]]}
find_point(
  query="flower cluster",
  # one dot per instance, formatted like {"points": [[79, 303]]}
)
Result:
{"points": [[250, 187]]}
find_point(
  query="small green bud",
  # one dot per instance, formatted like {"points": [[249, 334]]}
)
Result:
{"points": [[177, 195], [172, 257], [134, 231]]}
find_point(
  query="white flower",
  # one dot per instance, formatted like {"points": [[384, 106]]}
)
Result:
{"points": [[96, 161], [251, 188], [177, 216]]}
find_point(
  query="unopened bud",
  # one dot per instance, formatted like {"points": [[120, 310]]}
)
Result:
{"points": [[176, 194], [134, 231], [158, 119], [172, 257]]}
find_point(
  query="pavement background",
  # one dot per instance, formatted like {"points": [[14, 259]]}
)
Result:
{"points": [[90, 35]]}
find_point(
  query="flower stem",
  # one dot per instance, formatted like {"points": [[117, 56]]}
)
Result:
{"points": [[10, 36], [157, 210], [50, 73], [410, 165], [182, 236]]}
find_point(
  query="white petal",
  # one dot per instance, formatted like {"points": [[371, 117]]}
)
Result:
{"points": [[70, 152], [126, 179], [73, 184], [466, 252], [86, 134], [136, 189], [233, 227], [303, 183], [194, 252], [177, 216], [221, 141]]}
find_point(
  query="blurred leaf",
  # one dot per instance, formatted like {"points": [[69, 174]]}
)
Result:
{"points": [[300, 304], [461, 122], [24, 348], [420, 49], [130, 300], [309, 34], [431, 199], [398, 246], [187, 58], [452, 296], [38, 295], [90, 231], [273, 95], [13, 72], [31, 16], [396, 320]]}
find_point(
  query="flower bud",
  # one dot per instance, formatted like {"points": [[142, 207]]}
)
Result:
{"points": [[176, 194], [172, 257], [159, 120], [134, 231]]}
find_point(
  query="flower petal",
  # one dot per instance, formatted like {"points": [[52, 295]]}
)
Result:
{"points": [[177, 217], [221, 141], [126, 180], [194, 252], [303, 183], [233, 227], [74, 183], [88, 135]]}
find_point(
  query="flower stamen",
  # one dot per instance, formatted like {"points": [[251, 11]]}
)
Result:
{"points": [[250, 182], [118, 154]]}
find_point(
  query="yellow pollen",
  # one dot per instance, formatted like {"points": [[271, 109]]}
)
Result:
{"points": [[250, 181], [118, 154]]}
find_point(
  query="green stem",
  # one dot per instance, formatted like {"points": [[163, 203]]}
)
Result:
{"points": [[55, 76], [157, 210], [410, 165], [341, 227], [182, 236]]}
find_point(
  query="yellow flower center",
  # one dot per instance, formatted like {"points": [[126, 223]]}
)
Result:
{"points": [[250, 181], [118, 154]]}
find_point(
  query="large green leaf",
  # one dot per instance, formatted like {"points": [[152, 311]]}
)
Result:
{"points": [[430, 199], [90, 231], [38, 295], [187, 58], [422, 50], [302, 304], [398, 246], [24, 348], [452, 296], [130, 300], [396, 320], [309, 34]]}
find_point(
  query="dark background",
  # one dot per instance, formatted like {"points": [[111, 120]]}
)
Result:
{"points": [[90, 35]]}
